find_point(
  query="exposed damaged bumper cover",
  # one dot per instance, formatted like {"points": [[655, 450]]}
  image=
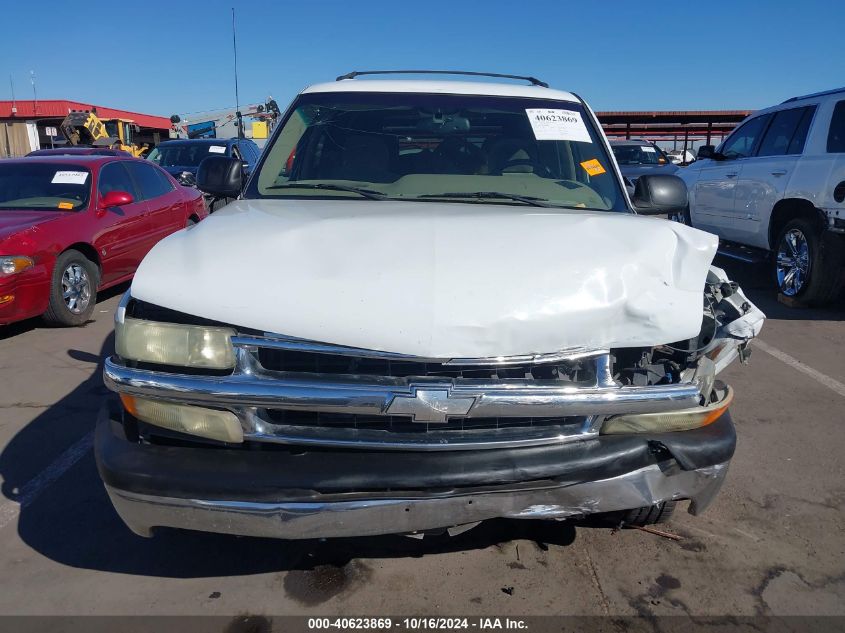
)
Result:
{"points": [[260, 494], [371, 517]]}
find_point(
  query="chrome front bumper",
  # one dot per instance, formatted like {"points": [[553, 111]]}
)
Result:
{"points": [[374, 396], [374, 516]]}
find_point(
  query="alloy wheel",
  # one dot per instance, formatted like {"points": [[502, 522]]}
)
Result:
{"points": [[793, 262], [76, 288]]}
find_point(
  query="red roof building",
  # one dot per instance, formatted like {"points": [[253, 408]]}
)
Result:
{"points": [[59, 109], [24, 124]]}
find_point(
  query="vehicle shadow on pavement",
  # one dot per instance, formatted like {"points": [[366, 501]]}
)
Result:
{"points": [[70, 520], [19, 327], [37, 323], [756, 281]]}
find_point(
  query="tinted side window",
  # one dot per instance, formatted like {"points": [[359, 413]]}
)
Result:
{"points": [[796, 145], [836, 135], [779, 135], [167, 186], [246, 152], [744, 140], [149, 182], [114, 177], [255, 153]]}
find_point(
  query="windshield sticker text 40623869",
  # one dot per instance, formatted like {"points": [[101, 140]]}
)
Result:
{"points": [[557, 125]]}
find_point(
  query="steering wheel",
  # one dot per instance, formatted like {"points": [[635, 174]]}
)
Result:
{"points": [[539, 168], [459, 150]]}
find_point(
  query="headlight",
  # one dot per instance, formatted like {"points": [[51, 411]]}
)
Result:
{"points": [[175, 344], [9, 265], [683, 420], [210, 423]]}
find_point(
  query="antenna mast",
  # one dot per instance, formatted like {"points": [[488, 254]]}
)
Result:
{"points": [[14, 103], [237, 98], [34, 93]]}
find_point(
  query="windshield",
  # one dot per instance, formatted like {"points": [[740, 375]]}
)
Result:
{"points": [[45, 186], [461, 148], [645, 154], [184, 154]]}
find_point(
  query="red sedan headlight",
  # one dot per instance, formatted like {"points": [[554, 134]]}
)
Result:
{"points": [[12, 264]]}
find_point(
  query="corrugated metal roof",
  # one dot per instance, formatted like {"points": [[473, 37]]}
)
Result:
{"points": [[57, 108]]}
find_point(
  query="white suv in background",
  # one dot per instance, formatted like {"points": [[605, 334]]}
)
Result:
{"points": [[776, 188]]}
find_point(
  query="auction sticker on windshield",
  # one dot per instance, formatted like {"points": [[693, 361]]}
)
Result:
{"points": [[648, 148], [70, 178], [217, 149], [557, 125], [593, 167]]}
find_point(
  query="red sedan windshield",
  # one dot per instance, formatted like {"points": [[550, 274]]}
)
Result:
{"points": [[44, 186]]}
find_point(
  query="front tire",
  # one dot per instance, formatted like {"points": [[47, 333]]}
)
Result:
{"points": [[808, 264], [73, 290], [640, 517], [649, 515]]}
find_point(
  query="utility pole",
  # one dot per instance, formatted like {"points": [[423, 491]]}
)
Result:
{"points": [[34, 93], [238, 117], [14, 103]]}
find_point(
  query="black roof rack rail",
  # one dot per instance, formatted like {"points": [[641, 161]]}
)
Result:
{"points": [[815, 94], [357, 73]]}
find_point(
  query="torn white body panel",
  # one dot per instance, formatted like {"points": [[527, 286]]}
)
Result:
{"points": [[438, 280], [732, 336]]}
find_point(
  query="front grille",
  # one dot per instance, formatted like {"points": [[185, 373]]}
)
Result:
{"points": [[403, 424], [378, 429], [308, 362]]}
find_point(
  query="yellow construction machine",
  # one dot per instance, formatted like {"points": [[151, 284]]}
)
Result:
{"points": [[84, 127]]}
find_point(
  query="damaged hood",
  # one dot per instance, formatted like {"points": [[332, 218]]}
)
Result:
{"points": [[439, 280]]}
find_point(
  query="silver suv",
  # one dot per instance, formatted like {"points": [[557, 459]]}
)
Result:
{"points": [[775, 189]]}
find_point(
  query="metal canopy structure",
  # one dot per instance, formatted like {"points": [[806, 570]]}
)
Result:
{"points": [[686, 126]]}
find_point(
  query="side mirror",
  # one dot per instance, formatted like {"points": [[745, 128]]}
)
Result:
{"points": [[220, 176], [706, 151], [116, 199], [186, 179], [659, 195]]}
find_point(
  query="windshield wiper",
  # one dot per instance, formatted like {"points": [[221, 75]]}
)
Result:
{"points": [[367, 193], [537, 202]]}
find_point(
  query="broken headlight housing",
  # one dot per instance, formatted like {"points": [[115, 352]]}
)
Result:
{"points": [[683, 420]]}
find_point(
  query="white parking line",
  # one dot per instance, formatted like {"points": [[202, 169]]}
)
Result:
{"points": [[9, 510], [816, 375]]}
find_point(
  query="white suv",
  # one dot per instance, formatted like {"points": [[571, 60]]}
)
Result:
{"points": [[431, 304], [776, 186]]}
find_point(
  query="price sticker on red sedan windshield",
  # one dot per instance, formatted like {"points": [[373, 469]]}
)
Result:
{"points": [[70, 177], [558, 125]]}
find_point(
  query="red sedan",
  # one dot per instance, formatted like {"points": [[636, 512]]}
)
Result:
{"points": [[72, 225]]}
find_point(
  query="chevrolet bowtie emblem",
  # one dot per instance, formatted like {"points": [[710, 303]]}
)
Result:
{"points": [[430, 405]]}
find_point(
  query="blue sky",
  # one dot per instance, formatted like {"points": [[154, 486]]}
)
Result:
{"points": [[166, 57]]}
